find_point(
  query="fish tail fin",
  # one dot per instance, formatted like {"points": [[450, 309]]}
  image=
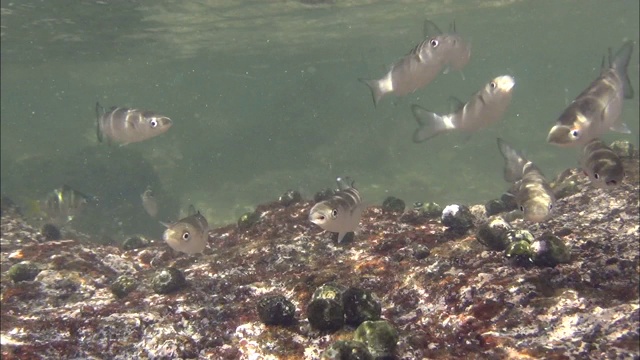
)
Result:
{"points": [[430, 124], [99, 112], [376, 92], [620, 62], [513, 161]]}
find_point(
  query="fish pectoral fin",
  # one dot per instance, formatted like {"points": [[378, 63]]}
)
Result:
{"points": [[621, 128]]}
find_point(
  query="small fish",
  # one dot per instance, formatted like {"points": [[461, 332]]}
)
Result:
{"points": [[422, 64], [530, 188], [341, 212], [188, 235], [486, 107], [597, 109], [63, 204], [601, 164], [125, 126], [149, 202]]}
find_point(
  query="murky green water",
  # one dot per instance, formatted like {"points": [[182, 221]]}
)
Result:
{"points": [[264, 97]]}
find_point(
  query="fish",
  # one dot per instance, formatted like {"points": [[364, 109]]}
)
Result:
{"points": [[531, 189], [341, 212], [126, 126], [602, 164], [438, 53], [63, 204], [188, 235], [598, 108], [149, 202], [485, 107]]}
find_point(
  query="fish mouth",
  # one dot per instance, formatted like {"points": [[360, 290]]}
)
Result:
{"points": [[505, 83]]}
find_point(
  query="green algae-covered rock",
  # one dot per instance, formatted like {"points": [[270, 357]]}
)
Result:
{"points": [[493, 233], [330, 291], [347, 350], [360, 305], [135, 242], [123, 285], [290, 197], [549, 250], [167, 280], [393, 204], [275, 310], [23, 271], [325, 314], [380, 337], [248, 219]]}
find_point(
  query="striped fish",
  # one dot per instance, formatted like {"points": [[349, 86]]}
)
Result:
{"points": [[531, 189], [188, 235], [598, 108], [601, 164], [63, 204], [125, 126], [422, 64], [341, 212]]}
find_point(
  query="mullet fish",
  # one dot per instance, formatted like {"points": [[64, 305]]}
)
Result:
{"points": [[601, 164], [486, 107], [422, 64], [341, 212], [530, 188], [188, 235], [63, 204], [597, 109], [125, 126]]}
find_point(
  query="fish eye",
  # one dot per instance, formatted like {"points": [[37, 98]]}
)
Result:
{"points": [[550, 206], [186, 236], [493, 85], [153, 123], [434, 43], [334, 212], [596, 176], [575, 133], [521, 208]]}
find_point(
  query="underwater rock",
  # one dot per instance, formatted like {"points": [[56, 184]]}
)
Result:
{"points": [[347, 350], [323, 195], [248, 219], [622, 148], [380, 337], [430, 210], [23, 271], [360, 305], [325, 314], [275, 310], [495, 206], [331, 291], [457, 217], [393, 204], [493, 233], [420, 251], [519, 247], [135, 242], [123, 285], [167, 280], [509, 201], [290, 197], [50, 232], [549, 250]]}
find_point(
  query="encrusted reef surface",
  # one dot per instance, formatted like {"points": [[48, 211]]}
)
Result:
{"points": [[447, 295]]}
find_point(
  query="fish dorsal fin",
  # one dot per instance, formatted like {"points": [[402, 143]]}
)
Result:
{"points": [[167, 225], [192, 210], [430, 29], [345, 183], [455, 104]]}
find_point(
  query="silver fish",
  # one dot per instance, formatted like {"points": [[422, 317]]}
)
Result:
{"points": [[601, 164], [486, 107], [341, 212], [149, 202], [63, 204], [125, 126], [188, 235], [597, 109], [422, 64], [530, 188]]}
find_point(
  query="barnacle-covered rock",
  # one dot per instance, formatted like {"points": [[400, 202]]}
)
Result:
{"points": [[380, 337], [325, 314], [346, 350], [360, 305], [50, 232], [493, 233], [275, 310], [23, 271], [495, 206], [519, 248], [330, 291], [622, 148], [519, 234], [420, 251], [167, 280], [393, 204], [135, 242], [431, 210], [549, 250], [248, 219], [123, 285], [457, 217], [290, 197]]}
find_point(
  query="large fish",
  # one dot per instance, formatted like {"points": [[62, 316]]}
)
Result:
{"points": [[597, 109], [486, 107], [530, 188], [63, 204], [601, 164], [341, 212], [422, 64], [125, 126], [188, 235]]}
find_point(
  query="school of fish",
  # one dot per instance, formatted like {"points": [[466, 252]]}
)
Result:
{"points": [[594, 112]]}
